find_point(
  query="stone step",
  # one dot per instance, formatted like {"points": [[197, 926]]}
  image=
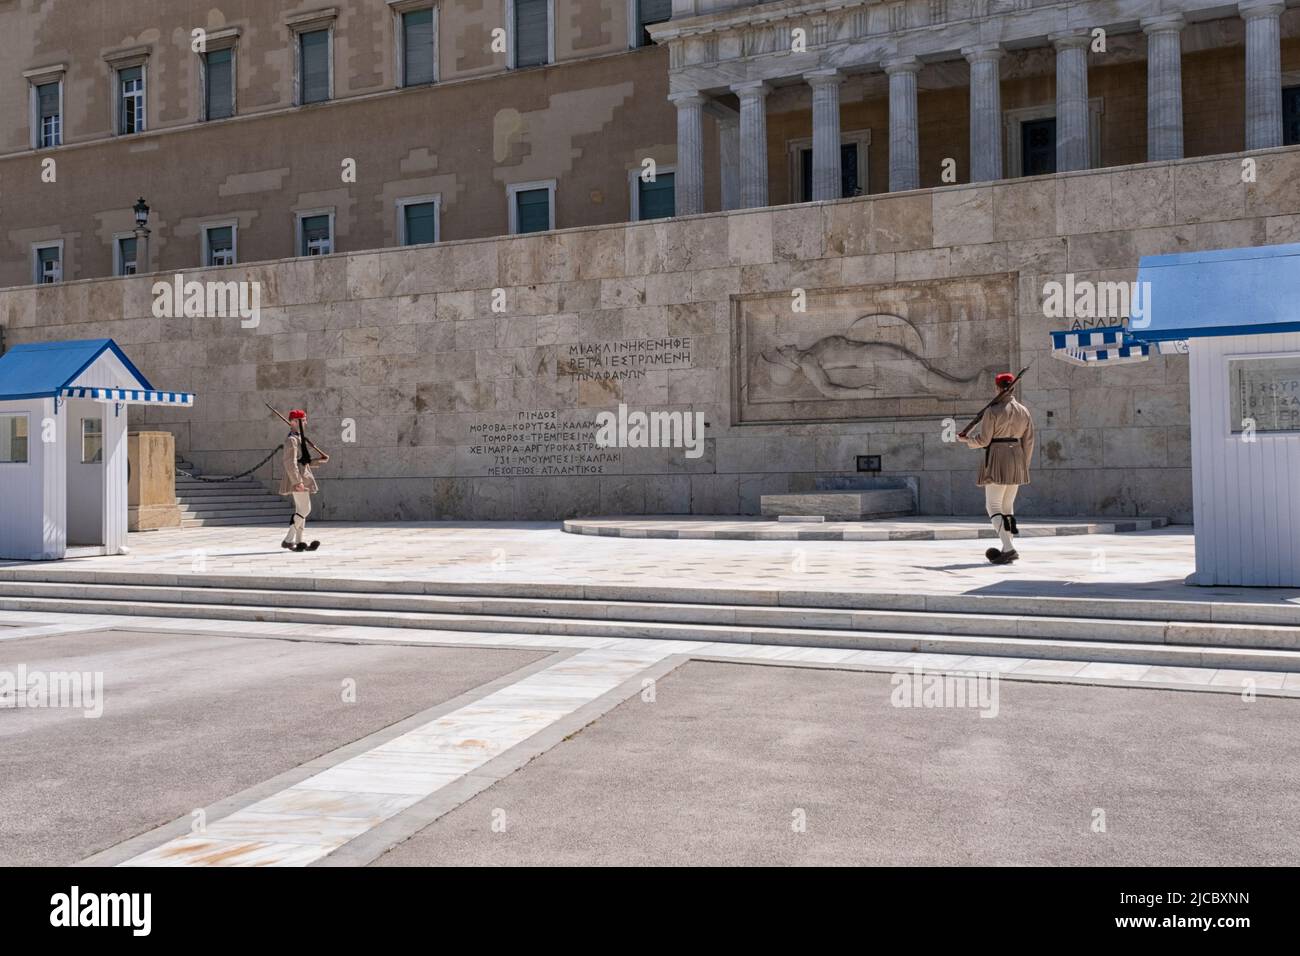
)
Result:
{"points": [[246, 519], [218, 487], [1216, 609], [841, 505], [208, 501], [1180, 655], [226, 504], [635, 615]]}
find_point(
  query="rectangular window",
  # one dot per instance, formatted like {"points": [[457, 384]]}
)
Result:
{"points": [[130, 112], [849, 185], [419, 223], [417, 47], [92, 441], [532, 32], [126, 262], [1264, 394], [49, 113], [1038, 146], [219, 84], [49, 265], [1291, 115], [314, 66], [532, 210], [648, 12], [656, 200], [219, 246], [316, 239], [13, 439]]}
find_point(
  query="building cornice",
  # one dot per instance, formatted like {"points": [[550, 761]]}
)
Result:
{"points": [[756, 42]]}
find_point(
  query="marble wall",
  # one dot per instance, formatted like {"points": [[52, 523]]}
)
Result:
{"points": [[464, 380]]}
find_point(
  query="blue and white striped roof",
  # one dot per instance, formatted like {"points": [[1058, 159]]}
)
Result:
{"points": [[1111, 345], [130, 396], [95, 369]]}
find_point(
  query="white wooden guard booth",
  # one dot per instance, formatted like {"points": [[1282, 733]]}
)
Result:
{"points": [[63, 467], [1236, 312]]}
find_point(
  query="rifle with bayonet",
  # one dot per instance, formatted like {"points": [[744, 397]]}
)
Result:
{"points": [[310, 444], [976, 420]]}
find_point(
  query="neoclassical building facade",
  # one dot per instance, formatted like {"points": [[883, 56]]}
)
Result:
{"points": [[520, 115], [730, 61]]}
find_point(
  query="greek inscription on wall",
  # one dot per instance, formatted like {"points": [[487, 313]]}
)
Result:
{"points": [[540, 443], [624, 360]]}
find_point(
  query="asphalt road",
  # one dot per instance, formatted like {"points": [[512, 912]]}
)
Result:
{"points": [[717, 768], [189, 720]]}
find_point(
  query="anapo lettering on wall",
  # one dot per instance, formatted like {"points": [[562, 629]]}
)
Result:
{"points": [[541, 443], [625, 359]]}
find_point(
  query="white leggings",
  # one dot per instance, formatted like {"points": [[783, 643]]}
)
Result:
{"points": [[301, 508], [1001, 500]]}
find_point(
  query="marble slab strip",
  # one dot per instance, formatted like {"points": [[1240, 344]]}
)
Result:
{"points": [[304, 823]]}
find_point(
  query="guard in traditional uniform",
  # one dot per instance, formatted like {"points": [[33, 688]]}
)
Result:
{"points": [[1006, 433], [298, 481]]}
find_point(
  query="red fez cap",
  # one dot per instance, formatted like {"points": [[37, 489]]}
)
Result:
{"points": [[296, 414], [1002, 380]]}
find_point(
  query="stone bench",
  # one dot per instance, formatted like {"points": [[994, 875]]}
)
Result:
{"points": [[861, 505]]}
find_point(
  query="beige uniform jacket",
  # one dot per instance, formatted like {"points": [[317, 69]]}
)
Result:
{"points": [[1006, 462], [294, 472]]}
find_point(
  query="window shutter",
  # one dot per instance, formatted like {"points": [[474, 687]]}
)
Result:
{"points": [[417, 47], [421, 223], [655, 11], [657, 199], [315, 68], [531, 32], [48, 94], [533, 210], [220, 85], [315, 228]]}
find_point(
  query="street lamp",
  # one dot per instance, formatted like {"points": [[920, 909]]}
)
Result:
{"points": [[141, 235]]}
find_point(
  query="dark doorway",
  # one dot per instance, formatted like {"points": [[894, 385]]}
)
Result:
{"points": [[849, 182], [1038, 147]]}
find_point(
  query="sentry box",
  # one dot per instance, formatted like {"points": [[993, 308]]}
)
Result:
{"points": [[63, 469], [1236, 313]]}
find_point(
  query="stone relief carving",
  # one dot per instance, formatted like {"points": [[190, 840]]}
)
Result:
{"points": [[911, 350]]}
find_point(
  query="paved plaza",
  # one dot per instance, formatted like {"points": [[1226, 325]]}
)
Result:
{"points": [[327, 730], [1143, 566]]}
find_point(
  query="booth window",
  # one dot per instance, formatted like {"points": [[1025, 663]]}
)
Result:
{"points": [[92, 441], [1264, 393], [13, 439]]}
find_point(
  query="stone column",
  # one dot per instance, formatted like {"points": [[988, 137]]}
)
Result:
{"points": [[1073, 150], [688, 181], [753, 143], [1164, 87], [1263, 72], [904, 140], [729, 159], [985, 112], [826, 174]]}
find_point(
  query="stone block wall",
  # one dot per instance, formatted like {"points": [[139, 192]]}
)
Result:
{"points": [[461, 381]]}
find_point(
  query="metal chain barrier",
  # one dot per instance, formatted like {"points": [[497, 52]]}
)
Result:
{"points": [[242, 474]]}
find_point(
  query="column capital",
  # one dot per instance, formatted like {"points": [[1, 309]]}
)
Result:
{"points": [[901, 64], [752, 88], [829, 77], [1070, 40], [1249, 9], [982, 51], [686, 99], [1166, 23]]}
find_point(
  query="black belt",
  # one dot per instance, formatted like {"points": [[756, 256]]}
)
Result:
{"points": [[997, 441]]}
